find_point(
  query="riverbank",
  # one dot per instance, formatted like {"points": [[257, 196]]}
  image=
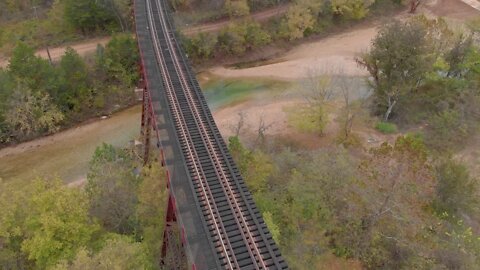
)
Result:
{"points": [[61, 148], [66, 154]]}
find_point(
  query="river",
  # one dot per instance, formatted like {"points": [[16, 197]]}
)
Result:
{"points": [[66, 154]]}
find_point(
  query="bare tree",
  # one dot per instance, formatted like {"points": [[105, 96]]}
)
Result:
{"points": [[318, 86], [262, 128], [352, 106], [238, 127]]}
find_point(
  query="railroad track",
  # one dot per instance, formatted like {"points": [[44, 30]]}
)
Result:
{"points": [[236, 231]]}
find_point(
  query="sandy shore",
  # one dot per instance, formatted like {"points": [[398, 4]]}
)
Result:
{"points": [[337, 51]]}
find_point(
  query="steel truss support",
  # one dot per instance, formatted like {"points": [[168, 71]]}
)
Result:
{"points": [[174, 239], [173, 251]]}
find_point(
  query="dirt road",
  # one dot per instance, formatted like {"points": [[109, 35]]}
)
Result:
{"points": [[83, 48], [338, 52], [216, 26], [89, 46]]}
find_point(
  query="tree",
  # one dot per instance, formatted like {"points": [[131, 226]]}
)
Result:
{"points": [[255, 36], [49, 223], [397, 62], [395, 186], [298, 20], [177, 4], [232, 39], [121, 10], [121, 59], [120, 252], [201, 46], [255, 166], [111, 189], [152, 203], [31, 113], [7, 85], [318, 87], [351, 9], [310, 191], [75, 92], [352, 108], [237, 8], [32, 71], [14, 210], [456, 190], [87, 15]]}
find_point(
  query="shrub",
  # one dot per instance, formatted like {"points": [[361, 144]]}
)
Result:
{"points": [[386, 128]]}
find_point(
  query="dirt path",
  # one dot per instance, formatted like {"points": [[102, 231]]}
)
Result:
{"points": [[216, 26], [453, 9], [89, 46], [339, 51], [83, 48]]}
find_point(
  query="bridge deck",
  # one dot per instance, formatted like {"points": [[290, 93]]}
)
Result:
{"points": [[223, 227]]}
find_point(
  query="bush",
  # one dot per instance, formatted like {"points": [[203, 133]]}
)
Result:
{"points": [[201, 46], [455, 190], [312, 119], [386, 128], [447, 130]]}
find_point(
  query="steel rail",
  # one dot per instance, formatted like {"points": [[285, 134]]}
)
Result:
{"points": [[199, 174], [222, 147], [233, 202]]}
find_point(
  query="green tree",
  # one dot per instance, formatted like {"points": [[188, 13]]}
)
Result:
{"points": [[232, 39], [456, 190], [351, 9], [118, 253], [87, 15], [299, 19], [74, 93], [255, 166], [32, 71], [7, 85], [201, 46], [31, 113], [152, 203], [111, 188], [14, 210], [120, 59], [398, 62], [120, 9], [45, 222], [255, 36], [237, 8]]}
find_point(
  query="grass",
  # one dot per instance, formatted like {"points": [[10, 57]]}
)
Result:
{"points": [[386, 128], [307, 119]]}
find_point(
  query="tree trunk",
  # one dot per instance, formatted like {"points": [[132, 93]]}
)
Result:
{"points": [[413, 5], [390, 108]]}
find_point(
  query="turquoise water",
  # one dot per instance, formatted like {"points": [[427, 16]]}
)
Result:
{"points": [[224, 92]]}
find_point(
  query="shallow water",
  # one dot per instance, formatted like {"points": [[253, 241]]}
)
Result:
{"points": [[224, 92], [66, 155]]}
